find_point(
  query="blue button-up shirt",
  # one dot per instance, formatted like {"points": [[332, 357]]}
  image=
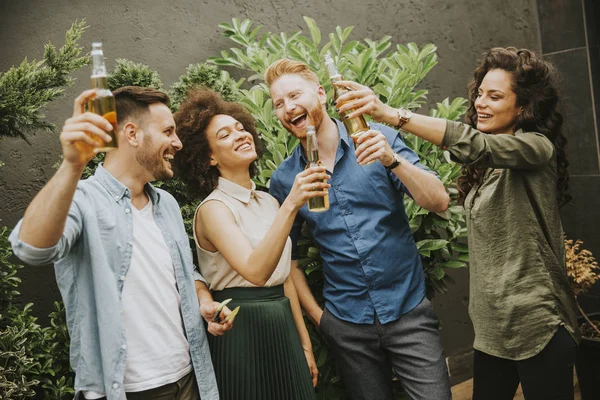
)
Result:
{"points": [[91, 260], [370, 261]]}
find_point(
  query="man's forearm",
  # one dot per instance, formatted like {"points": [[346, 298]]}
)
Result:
{"points": [[45, 218], [426, 189], [203, 293], [307, 300]]}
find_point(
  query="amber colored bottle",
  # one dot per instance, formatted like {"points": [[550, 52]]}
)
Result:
{"points": [[315, 204], [104, 102], [355, 126]]}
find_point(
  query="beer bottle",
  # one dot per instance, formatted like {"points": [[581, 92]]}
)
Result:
{"points": [[355, 126], [103, 103], [315, 204]]}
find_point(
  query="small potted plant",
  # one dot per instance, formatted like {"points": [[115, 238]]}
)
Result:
{"points": [[583, 272]]}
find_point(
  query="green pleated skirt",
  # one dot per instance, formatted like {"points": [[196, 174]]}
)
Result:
{"points": [[261, 358]]}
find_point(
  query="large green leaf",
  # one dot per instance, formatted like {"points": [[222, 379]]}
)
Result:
{"points": [[431, 244]]}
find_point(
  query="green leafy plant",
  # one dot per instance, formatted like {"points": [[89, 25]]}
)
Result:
{"points": [[17, 364], [204, 75], [34, 360], [9, 280], [394, 73], [128, 73], [26, 89], [58, 378], [30, 355]]}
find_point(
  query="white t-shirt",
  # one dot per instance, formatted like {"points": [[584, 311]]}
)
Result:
{"points": [[157, 350]]}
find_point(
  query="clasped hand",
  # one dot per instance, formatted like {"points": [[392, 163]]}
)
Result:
{"points": [[361, 100], [310, 183], [83, 132]]}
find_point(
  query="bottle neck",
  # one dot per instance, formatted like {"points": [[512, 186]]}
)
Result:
{"points": [[312, 153], [312, 156], [99, 82], [99, 75]]}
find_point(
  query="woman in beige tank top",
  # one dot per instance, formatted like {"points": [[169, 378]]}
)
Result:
{"points": [[244, 252]]}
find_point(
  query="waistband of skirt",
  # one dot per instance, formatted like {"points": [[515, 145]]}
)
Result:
{"points": [[250, 293]]}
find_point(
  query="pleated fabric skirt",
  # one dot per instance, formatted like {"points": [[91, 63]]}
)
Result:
{"points": [[261, 358]]}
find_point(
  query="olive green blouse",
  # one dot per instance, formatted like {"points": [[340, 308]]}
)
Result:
{"points": [[519, 290]]}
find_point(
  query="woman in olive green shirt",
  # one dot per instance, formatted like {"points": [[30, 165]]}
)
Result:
{"points": [[514, 180]]}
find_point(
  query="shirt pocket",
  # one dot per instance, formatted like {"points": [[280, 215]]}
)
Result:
{"points": [[106, 222]]}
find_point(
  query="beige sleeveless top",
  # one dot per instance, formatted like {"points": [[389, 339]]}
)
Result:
{"points": [[254, 212]]}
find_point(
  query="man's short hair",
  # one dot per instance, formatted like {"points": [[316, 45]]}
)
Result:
{"points": [[133, 101], [286, 66]]}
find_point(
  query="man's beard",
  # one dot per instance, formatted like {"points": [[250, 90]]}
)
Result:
{"points": [[314, 117], [154, 164]]}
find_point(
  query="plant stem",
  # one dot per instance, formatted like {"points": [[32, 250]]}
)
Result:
{"points": [[587, 319]]}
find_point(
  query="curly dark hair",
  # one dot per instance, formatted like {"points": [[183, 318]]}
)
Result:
{"points": [[535, 85], [192, 163]]}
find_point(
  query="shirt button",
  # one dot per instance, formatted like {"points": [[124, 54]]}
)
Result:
{"points": [[115, 385], [117, 198], [124, 347], [130, 243], [122, 278], [127, 210]]}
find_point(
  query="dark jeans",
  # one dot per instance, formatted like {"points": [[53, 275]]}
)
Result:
{"points": [[185, 388], [366, 355], [545, 376]]}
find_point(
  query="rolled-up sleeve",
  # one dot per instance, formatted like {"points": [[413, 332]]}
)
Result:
{"points": [[29, 254], [467, 145], [397, 144], [40, 256]]}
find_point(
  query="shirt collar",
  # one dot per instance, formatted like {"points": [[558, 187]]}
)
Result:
{"points": [[236, 191], [343, 133], [117, 190]]}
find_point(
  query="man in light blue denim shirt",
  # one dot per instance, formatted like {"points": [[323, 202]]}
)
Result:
{"points": [[122, 258]]}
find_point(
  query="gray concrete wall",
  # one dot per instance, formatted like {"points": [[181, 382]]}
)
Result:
{"points": [[570, 36], [169, 35]]}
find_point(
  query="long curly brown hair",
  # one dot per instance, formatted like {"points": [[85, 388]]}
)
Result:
{"points": [[535, 85], [192, 162]]}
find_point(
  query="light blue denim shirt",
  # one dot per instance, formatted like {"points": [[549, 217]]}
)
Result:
{"points": [[91, 261]]}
